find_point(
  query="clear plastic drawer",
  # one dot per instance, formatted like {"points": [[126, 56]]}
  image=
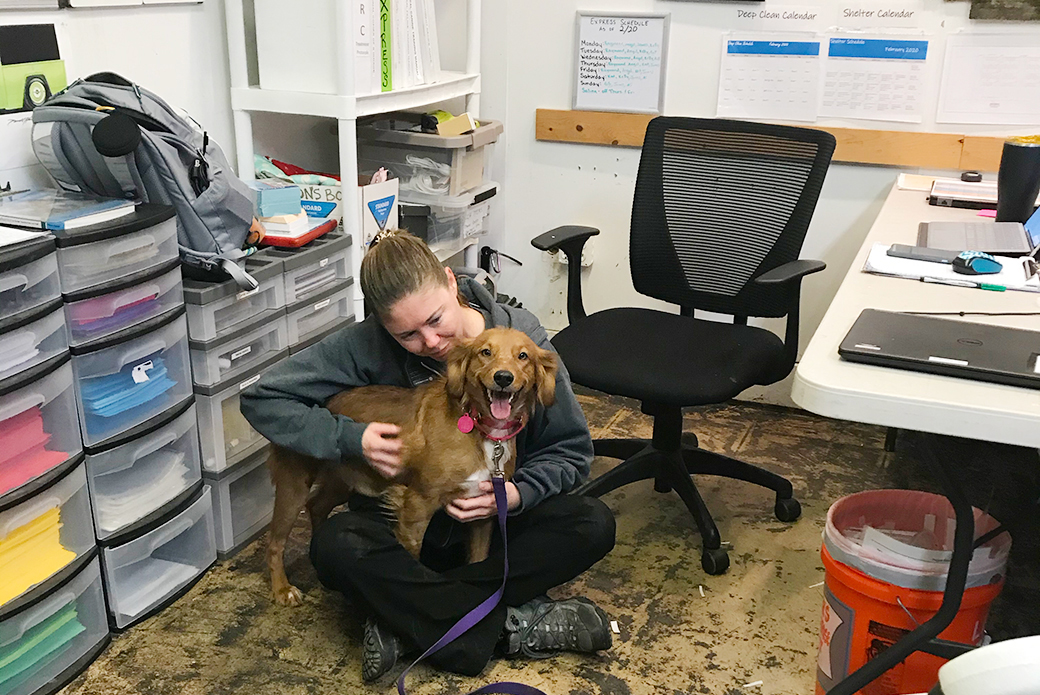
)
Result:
{"points": [[215, 308], [112, 310], [43, 535], [315, 266], [45, 645], [32, 339], [38, 427], [89, 256], [225, 436], [133, 481], [142, 574], [243, 502], [235, 353], [311, 317], [30, 285], [121, 385]]}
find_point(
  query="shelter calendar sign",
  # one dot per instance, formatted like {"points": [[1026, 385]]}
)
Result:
{"points": [[620, 62]]}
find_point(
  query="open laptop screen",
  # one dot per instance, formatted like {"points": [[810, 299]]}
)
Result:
{"points": [[1032, 226]]}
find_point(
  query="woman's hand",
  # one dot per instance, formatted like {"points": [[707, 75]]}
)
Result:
{"points": [[381, 447], [483, 505]]}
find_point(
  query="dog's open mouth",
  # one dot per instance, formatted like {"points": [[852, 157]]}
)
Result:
{"points": [[501, 403]]}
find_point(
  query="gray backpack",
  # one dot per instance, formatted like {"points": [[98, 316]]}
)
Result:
{"points": [[106, 136]]}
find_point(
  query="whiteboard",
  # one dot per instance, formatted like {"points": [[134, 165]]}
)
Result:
{"points": [[619, 62]]}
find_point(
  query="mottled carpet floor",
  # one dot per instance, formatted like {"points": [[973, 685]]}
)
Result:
{"points": [[757, 622]]}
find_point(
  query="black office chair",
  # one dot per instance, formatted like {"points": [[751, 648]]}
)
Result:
{"points": [[720, 212]]}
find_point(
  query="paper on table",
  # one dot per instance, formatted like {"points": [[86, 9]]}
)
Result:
{"points": [[769, 76], [12, 237], [991, 79], [915, 182], [1012, 276]]}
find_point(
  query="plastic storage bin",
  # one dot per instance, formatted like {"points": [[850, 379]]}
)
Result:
{"points": [[243, 502], [128, 378], [39, 432], [426, 163], [100, 253], [109, 308], [319, 336], [237, 352], [144, 574], [457, 217], [45, 645], [31, 338], [216, 307], [135, 482], [44, 538], [312, 316], [28, 276], [315, 266], [225, 436]]}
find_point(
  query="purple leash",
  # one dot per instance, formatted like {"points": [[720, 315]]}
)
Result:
{"points": [[477, 614]]}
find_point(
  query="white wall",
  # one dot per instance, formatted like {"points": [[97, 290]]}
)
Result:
{"points": [[528, 62], [177, 51]]}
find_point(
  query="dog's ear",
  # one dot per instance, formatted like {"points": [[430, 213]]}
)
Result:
{"points": [[458, 366], [545, 365]]}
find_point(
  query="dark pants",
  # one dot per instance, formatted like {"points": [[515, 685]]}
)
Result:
{"points": [[355, 552]]}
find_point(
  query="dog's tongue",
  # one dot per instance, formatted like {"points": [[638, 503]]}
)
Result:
{"points": [[501, 408]]}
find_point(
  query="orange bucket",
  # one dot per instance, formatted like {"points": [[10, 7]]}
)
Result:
{"points": [[864, 615]]}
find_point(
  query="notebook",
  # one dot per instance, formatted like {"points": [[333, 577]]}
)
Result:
{"points": [[56, 210], [998, 238], [975, 351]]}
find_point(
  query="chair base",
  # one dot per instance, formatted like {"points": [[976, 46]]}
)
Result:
{"points": [[670, 459]]}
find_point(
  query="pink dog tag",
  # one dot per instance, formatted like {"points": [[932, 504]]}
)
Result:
{"points": [[466, 423]]}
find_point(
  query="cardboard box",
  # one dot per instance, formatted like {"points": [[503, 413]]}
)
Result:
{"points": [[322, 202], [378, 204]]}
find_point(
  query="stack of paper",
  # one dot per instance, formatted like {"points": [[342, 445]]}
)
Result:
{"points": [[23, 453], [275, 197], [132, 386], [294, 224], [1012, 276], [149, 484], [31, 553], [20, 659]]}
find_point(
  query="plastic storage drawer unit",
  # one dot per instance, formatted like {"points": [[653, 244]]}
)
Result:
{"points": [[236, 352], [426, 162], [28, 276], [39, 432], [453, 218], [109, 308], [216, 307], [141, 480], [100, 253], [313, 316], [44, 538], [243, 502], [31, 338], [126, 379], [45, 645], [315, 266], [145, 574], [225, 436]]}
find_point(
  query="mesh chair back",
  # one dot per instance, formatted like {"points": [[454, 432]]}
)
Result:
{"points": [[718, 203]]}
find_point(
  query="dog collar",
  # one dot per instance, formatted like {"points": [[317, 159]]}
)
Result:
{"points": [[467, 423]]}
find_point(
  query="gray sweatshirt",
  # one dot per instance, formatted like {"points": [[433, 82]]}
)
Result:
{"points": [[286, 405]]}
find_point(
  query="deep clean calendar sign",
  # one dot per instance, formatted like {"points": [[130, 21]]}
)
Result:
{"points": [[620, 62]]}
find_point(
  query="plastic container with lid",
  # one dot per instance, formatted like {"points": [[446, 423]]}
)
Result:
{"points": [[28, 275], [454, 218], [217, 307], [313, 317], [31, 338], [315, 266], [238, 351], [243, 502]]}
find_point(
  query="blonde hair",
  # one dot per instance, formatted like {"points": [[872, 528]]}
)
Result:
{"points": [[398, 264]]}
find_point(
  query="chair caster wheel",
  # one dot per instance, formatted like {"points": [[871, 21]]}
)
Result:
{"points": [[715, 561], [788, 509]]}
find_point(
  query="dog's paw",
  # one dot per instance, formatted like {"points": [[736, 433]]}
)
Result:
{"points": [[289, 596]]}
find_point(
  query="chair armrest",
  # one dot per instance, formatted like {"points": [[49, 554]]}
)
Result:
{"points": [[795, 270], [571, 240]]}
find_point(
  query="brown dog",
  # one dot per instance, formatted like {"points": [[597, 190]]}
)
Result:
{"points": [[496, 380]]}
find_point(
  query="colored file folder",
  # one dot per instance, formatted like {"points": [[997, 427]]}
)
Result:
{"points": [[23, 452], [32, 553], [39, 644]]}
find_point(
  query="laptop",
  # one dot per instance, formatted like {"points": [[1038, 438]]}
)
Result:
{"points": [[918, 343], [998, 238]]}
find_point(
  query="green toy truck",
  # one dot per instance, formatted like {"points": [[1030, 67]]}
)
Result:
{"points": [[31, 70]]}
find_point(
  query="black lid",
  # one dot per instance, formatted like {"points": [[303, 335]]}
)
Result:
{"points": [[338, 287], [122, 282], [145, 215], [18, 320], [147, 427], [311, 252], [259, 265], [131, 332], [29, 488], [240, 330], [15, 500], [26, 252], [250, 373], [412, 209]]}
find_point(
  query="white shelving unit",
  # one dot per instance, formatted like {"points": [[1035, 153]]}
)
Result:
{"points": [[345, 107]]}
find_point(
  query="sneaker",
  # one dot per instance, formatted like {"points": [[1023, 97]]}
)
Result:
{"points": [[542, 627], [379, 651]]}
